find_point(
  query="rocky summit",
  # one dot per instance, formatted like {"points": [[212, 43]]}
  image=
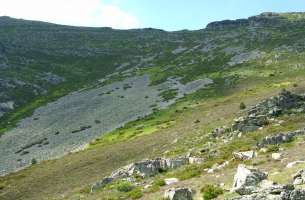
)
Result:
{"points": [[106, 114]]}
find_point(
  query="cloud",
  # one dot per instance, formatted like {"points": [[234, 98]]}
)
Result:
{"points": [[70, 12]]}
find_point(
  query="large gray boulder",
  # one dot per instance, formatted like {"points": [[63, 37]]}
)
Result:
{"points": [[178, 194], [246, 179]]}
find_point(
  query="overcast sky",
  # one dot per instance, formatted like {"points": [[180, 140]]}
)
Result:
{"points": [[124, 14]]}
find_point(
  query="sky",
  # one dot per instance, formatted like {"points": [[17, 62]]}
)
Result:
{"points": [[126, 14]]}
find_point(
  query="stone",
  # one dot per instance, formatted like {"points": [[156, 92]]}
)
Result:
{"points": [[178, 194], [195, 160], [245, 155], [299, 177], [170, 181], [297, 194], [263, 150], [276, 156], [246, 179]]}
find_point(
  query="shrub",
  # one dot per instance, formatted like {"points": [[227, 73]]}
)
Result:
{"points": [[211, 192], [273, 148], [34, 161], [159, 182], [136, 193], [242, 106], [124, 186]]}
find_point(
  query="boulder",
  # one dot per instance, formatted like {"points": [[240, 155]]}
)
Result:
{"points": [[245, 155], [276, 156], [169, 181], [299, 177], [246, 179], [195, 160], [178, 194]]}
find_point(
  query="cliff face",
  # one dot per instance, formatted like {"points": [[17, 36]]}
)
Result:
{"points": [[267, 19]]}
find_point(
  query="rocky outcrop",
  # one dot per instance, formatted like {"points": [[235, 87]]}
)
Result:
{"points": [[265, 112], [280, 138], [249, 123], [178, 194], [262, 20], [251, 184], [246, 179], [281, 104], [145, 168], [274, 192]]}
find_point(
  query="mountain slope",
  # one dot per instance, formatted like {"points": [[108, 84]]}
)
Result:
{"points": [[243, 61]]}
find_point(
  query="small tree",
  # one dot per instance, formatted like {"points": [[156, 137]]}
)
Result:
{"points": [[34, 161], [242, 106]]}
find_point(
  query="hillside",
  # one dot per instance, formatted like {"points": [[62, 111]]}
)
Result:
{"points": [[76, 104]]}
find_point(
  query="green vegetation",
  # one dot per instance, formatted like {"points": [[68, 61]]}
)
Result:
{"points": [[159, 182], [169, 94], [124, 186], [242, 106], [33, 161], [211, 192], [172, 131], [135, 193]]}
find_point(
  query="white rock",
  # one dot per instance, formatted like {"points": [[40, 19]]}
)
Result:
{"points": [[169, 181], [246, 179], [291, 164], [298, 181], [245, 155], [276, 156], [263, 150], [194, 160], [147, 186]]}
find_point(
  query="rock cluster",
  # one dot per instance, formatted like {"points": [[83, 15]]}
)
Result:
{"points": [[280, 138], [144, 169], [249, 123], [262, 114], [251, 184], [281, 104]]}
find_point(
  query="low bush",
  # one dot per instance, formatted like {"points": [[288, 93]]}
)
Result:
{"points": [[242, 106], [124, 186], [211, 192], [135, 193]]}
